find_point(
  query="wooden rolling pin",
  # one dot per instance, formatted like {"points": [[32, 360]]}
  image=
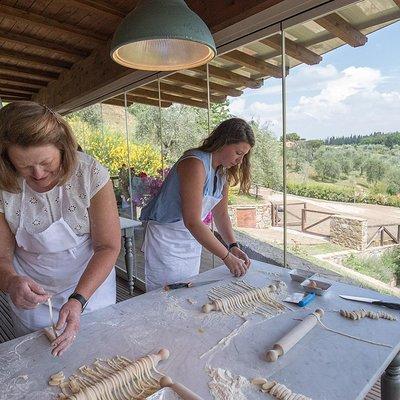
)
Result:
{"points": [[179, 389], [294, 336], [162, 355]]}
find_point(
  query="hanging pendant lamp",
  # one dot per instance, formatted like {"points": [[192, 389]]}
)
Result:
{"points": [[162, 35]]}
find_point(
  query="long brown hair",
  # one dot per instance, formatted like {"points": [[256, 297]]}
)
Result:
{"points": [[26, 123], [232, 131]]}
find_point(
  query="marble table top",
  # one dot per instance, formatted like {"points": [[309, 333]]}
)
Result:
{"points": [[323, 365]]}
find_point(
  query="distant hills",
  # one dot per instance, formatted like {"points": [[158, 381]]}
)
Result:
{"points": [[387, 139]]}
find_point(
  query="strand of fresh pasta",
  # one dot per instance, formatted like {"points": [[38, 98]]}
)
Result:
{"points": [[114, 379]]}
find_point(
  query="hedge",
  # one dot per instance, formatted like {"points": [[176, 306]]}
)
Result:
{"points": [[318, 191]]}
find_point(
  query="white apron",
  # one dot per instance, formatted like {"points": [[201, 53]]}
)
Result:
{"points": [[171, 253], [55, 259]]}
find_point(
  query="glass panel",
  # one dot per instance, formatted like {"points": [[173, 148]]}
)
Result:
{"points": [[258, 218], [343, 144]]}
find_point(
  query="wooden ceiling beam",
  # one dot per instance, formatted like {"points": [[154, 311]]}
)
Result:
{"points": [[34, 43], [168, 97], [9, 78], [34, 19], [245, 60], [97, 6], [180, 91], [339, 27], [202, 84], [10, 99], [17, 69], [34, 59], [18, 89], [4, 92], [230, 77], [142, 100], [293, 49]]}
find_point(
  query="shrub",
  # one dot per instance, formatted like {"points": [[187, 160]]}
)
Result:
{"points": [[325, 192]]}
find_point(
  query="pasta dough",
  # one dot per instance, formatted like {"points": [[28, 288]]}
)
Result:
{"points": [[361, 313], [241, 298], [279, 391], [113, 379]]}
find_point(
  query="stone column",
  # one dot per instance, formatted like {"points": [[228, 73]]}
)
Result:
{"points": [[349, 232]]}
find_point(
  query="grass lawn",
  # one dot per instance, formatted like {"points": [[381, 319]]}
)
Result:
{"points": [[359, 182], [237, 199], [385, 267]]}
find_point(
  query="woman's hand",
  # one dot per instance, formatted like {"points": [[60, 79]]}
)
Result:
{"points": [[25, 292], [69, 317], [235, 265], [242, 255]]}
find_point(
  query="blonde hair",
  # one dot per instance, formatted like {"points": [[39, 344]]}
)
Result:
{"points": [[231, 131], [25, 124]]}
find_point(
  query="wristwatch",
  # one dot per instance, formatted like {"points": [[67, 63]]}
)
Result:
{"points": [[234, 244], [80, 298]]}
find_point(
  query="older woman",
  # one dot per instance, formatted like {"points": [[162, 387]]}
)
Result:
{"points": [[59, 224], [197, 184]]}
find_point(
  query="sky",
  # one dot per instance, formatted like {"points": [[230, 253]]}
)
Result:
{"points": [[351, 91]]}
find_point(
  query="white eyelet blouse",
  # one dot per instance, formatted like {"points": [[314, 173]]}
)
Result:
{"points": [[42, 209]]}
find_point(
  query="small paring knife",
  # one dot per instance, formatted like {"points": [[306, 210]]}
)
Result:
{"points": [[375, 302], [180, 285]]}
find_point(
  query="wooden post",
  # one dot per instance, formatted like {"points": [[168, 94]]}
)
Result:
{"points": [[129, 260], [382, 234], [273, 214], [303, 219], [390, 380], [398, 234]]}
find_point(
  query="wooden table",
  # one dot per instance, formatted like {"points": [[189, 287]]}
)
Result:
{"points": [[128, 234], [323, 365]]}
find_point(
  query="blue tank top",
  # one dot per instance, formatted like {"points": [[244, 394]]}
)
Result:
{"points": [[166, 206]]}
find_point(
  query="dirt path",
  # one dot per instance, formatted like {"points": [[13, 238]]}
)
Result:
{"points": [[373, 213]]}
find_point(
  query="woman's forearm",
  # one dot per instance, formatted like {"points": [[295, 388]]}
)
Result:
{"points": [[224, 227], [99, 267], [206, 238], [7, 271]]}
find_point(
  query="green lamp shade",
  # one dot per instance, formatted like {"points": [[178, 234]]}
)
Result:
{"points": [[162, 35]]}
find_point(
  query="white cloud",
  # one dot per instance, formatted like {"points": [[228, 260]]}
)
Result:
{"points": [[237, 106], [323, 101]]}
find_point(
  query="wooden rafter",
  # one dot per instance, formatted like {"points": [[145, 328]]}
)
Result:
{"points": [[230, 77], [97, 6], [202, 84], [45, 75], [9, 98], [4, 92], [245, 60], [18, 89], [31, 18], [293, 49], [180, 91], [339, 27], [9, 78], [34, 59], [150, 94], [136, 99], [41, 44]]}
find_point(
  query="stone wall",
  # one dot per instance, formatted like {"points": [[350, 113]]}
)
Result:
{"points": [[251, 216], [349, 232]]}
